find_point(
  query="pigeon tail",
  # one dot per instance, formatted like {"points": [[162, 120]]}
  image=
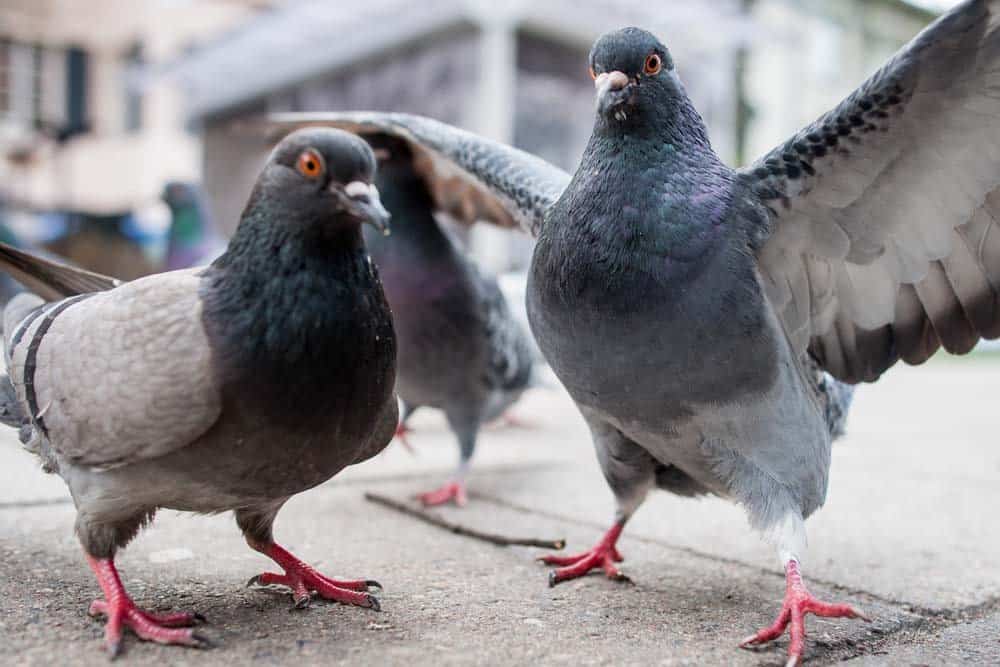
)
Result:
{"points": [[839, 396], [11, 413]]}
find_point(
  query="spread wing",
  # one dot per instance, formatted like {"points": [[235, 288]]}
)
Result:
{"points": [[471, 178], [116, 376], [885, 243]]}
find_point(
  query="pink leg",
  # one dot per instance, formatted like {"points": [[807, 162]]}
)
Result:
{"points": [[450, 492], [122, 612], [798, 602], [304, 581], [604, 555], [401, 432]]}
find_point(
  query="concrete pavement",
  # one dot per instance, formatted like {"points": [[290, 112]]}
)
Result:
{"points": [[909, 534]]}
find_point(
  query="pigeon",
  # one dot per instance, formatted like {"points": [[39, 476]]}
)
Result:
{"points": [[191, 241], [229, 387], [704, 319], [460, 348]]}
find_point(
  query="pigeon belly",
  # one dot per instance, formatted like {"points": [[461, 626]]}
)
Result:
{"points": [[691, 366]]}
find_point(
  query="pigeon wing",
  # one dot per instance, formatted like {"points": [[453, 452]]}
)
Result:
{"points": [[117, 376], [883, 241], [471, 178]]}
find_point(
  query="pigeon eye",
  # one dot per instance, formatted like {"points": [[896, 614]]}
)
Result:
{"points": [[310, 164], [653, 64], [592, 74]]}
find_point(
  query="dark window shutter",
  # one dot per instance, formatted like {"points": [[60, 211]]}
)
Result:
{"points": [[77, 65]]}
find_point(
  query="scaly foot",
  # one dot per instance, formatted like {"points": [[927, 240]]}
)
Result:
{"points": [[306, 581], [122, 612], [798, 602], [604, 555], [450, 492]]}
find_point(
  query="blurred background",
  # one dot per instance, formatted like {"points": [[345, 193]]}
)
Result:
{"points": [[115, 148]]}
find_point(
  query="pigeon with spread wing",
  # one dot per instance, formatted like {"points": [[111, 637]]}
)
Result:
{"points": [[705, 320]]}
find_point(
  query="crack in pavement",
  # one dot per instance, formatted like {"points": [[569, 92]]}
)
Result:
{"points": [[43, 502]]}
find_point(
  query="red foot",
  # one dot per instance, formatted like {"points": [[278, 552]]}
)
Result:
{"points": [[604, 555], [121, 611], [401, 430], [510, 420], [798, 602], [304, 581], [452, 491]]}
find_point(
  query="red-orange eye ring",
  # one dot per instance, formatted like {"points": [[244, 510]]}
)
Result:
{"points": [[653, 64], [592, 75], [310, 164]]}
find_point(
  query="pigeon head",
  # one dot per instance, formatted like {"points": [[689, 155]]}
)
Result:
{"points": [[324, 177], [634, 75]]}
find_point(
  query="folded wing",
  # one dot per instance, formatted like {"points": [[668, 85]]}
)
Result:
{"points": [[112, 377]]}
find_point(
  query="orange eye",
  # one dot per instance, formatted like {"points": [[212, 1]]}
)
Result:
{"points": [[310, 164], [592, 75], [653, 64]]}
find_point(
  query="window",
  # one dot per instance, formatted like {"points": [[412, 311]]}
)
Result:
{"points": [[133, 62], [36, 91]]}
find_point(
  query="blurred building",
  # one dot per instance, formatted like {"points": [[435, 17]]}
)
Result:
{"points": [[516, 71], [102, 102], [804, 56], [89, 133]]}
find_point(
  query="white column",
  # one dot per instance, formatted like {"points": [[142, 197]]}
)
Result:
{"points": [[492, 115]]}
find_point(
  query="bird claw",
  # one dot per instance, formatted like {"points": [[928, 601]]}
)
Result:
{"points": [[450, 492], [604, 555], [306, 583], [797, 603]]}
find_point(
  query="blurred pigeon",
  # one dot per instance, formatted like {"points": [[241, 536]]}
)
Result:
{"points": [[232, 387], [191, 241], [696, 313], [460, 349]]}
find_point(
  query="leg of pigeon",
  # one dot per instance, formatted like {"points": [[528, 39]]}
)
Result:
{"points": [[304, 580], [401, 432], [466, 429], [604, 555], [798, 600], [451, 491], [122, 612], [629, 470], [405, 412]]}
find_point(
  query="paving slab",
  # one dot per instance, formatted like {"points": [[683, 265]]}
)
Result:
{"points": [[447, 599], [909, 534], [965, 643], [911, 512]]}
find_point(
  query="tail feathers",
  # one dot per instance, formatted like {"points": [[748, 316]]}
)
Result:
{"points": [[835, 397], [11, 413], [50, 279], [839, 396]]}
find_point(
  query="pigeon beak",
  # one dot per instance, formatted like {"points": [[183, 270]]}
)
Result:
{"points": [[367, 205], [613, 91]]}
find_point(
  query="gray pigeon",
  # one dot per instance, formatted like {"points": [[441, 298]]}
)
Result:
{"points": [[232, 387], [460, 348], [695, 312]]}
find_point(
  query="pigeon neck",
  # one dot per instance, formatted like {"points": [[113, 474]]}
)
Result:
{"points": [[290, 311], [414, 227]]}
